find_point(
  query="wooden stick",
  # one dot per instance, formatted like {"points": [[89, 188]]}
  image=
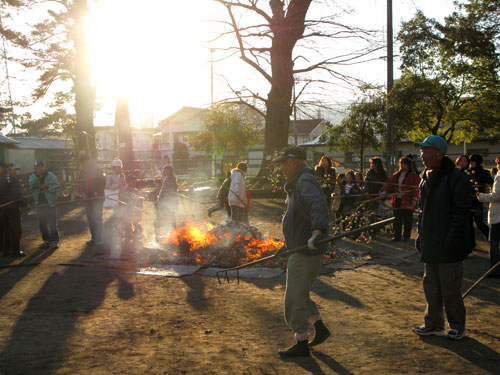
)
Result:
{"points": [[481, 279]]}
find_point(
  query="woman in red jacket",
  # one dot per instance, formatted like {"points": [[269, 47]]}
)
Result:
{"points": [[404, 185]]}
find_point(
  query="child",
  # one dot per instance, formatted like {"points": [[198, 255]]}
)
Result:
{"points": [[336, 197]]}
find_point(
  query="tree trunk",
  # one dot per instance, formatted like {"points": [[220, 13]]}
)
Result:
{"points": [[287, 30], [84, 89], [124, 130]]}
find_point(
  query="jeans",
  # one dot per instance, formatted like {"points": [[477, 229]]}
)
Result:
{"points": [[494, 246], [47, 220], [93, 208]]}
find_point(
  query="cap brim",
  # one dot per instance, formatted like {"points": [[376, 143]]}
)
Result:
{"points": [[279, 158], [422, 144]]}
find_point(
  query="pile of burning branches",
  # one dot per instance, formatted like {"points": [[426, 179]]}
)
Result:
{"points": [[217, 246]]}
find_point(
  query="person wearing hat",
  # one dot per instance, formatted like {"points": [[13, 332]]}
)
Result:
{"points": [[166, 203], [480, 179], [305, 223], [237, 196], [11, 200], [90, 187], [115, 185], [444, 238], [46, 186]]}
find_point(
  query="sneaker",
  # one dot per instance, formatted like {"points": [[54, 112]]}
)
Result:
{"points": [[455, 334], [54, 245], [44, 245], [300, 349], [428, 331]]}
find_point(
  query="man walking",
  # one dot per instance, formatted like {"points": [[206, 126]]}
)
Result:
{"points": [[444, 238], [46, 185], [305, 222], [90, 186]]}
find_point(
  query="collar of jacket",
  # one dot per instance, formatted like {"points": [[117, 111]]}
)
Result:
{"points": [[446, 167], [289, 186]]}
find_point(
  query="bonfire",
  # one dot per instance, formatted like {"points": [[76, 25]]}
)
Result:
{"points": [[217, 246]]}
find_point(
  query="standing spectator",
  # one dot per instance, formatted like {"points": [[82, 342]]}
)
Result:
{"points": [[404, 184], [375, 179], [305, 222], [11, 200], [222, 200], [358, 178], [131, 212], [443, 239], [90, 186], [463, 163], [167, 202], [350, 194], [481, 178], [336, 207], [494, 220], [237, 192], [326, 175], [115, 185], [46, 186]]}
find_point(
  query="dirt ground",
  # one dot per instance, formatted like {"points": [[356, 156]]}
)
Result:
{"points": [[101, 319]]}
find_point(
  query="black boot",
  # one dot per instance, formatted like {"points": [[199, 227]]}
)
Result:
{"points": [[322, 333], [300, 349]]}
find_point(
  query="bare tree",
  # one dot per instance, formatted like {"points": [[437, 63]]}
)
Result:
{"points": [[266, 35]]}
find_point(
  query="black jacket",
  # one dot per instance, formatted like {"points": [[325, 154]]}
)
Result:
{"points": [[444, 234], [10, 190]]}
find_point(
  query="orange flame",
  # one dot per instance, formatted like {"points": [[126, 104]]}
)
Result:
{"points": [[199, 236]]}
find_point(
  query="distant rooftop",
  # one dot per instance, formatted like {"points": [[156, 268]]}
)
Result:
{"points": [[304, 126], [7, 140], [42, 143]]}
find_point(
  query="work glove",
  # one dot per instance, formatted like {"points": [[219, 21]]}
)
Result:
{"points": [[281, 252], [317, 236]]}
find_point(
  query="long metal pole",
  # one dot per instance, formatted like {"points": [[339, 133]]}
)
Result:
{"points": [[390, 83]]}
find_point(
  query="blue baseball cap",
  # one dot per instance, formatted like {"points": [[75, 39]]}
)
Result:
{"points": [[434, 141]]}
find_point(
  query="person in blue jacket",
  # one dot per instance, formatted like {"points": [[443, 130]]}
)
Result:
{"points": [[305, 223], [46, 185]]}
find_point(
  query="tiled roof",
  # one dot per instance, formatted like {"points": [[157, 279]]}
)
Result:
{"points": [[303, 126], [42, 143], [7, 140]]}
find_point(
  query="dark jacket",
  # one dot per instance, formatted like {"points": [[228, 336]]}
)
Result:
{"points": [[479, 178], [306, 211], [224, 190], [91, 182], [10, 190], [168, 189], [326, 178], [444, 219], [374, 181]]}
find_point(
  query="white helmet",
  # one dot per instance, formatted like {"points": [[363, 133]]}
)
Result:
{"points": [[117, 163]]}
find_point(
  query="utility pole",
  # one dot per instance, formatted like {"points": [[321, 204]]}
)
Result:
{"points": [[294, 115], [212, 50], [390, 149]]}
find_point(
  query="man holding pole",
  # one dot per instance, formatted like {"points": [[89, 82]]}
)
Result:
{"points": [[444, 238], [305, 222], [46, 185]]}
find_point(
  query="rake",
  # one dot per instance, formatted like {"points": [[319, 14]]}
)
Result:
{"points": [[377, 224]]}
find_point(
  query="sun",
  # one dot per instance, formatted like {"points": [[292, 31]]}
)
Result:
{"points": [[151, 52]]}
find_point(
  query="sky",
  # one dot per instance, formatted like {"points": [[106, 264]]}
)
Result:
{"points": [[157, 54]]}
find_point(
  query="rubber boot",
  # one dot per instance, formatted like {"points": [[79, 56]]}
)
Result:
{"points": [[300, 349], [321, 334]]}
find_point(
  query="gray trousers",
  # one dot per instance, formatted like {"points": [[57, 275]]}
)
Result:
{"points": [[301, 272], [443, 284]]}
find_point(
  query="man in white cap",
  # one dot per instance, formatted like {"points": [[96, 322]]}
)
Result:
{"points": [[305, 223], [116, 183], [444, 238]]}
